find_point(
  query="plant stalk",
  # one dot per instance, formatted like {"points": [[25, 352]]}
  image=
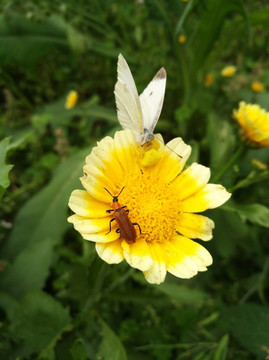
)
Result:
{"points": [[230, 163]]}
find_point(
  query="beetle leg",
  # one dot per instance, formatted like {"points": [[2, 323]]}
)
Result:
{"points": [[109, 211], [110, 225], [118, 231], [139, 229]]}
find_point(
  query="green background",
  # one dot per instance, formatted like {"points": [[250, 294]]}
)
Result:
{"points": [[58, 300]]}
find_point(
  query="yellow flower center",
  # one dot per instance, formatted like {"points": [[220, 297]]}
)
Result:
{"points": [[153, 204]]}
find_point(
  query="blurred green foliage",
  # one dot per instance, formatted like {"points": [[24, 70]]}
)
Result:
{"points": [[58, 300]]}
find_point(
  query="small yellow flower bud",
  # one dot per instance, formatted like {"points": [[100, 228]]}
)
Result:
{"points": [[257, 86], [182, 39], [228, 71], [209, 79], [71, 99]]}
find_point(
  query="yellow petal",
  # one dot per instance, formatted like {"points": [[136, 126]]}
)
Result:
{"points": [[209, 197], [157, 273], [104, 157], [195, 226], [95, 185], [83, 204], [191, 180], [111, 252], [150, 158], [102, 237], [102, 170], [176, 155], [178, 263], [138, 254], [97, 177], [89, 226], [84, 226]]}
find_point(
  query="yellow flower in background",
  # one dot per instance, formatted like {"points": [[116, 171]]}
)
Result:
{"points": [[182, 39], [257, 86], [209, 79], [161, 198], [71, 99], [228, 71], [254, 122]]}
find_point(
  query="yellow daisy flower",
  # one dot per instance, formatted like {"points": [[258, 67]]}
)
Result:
{"points": [[254, 122], [257, 86], [182, 39], [71, 99], [160, 198], [228, 71]]}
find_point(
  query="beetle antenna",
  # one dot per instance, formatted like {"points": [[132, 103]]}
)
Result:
{"points": [[120, 191], [109, 192]]}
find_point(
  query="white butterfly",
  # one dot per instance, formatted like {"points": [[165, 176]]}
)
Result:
{"points": [[139, 113]]}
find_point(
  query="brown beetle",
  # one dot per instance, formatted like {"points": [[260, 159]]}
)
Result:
{"points": [[125, 226]]}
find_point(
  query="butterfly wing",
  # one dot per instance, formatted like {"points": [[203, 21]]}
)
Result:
{"points": [[151, 101], [127, 100]]}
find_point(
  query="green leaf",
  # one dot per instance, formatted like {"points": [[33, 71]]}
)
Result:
{"points": [[229, 231], [4, 169], [255, 213], [8, 303], [111, 347], [29, 269], [222, 349], [78, 350], [20, 138], [183, 294], [260, 17], [77, 40], [210, 27], [25, 41], [44, 216], [38, 321], [253, 177], [249, 324], [56, 114], [185, 13], [38, 227]]}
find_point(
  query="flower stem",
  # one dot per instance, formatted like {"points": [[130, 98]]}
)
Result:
{"points": [[230, 163]]}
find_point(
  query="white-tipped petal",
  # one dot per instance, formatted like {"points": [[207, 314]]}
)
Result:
{"points": [[195, 226], [192, 180], [138, 255], [110, 252], [157, 272], [83, 204], [209, 197]]}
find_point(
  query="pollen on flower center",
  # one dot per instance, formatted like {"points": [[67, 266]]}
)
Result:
{"points": [[152, 204]]}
